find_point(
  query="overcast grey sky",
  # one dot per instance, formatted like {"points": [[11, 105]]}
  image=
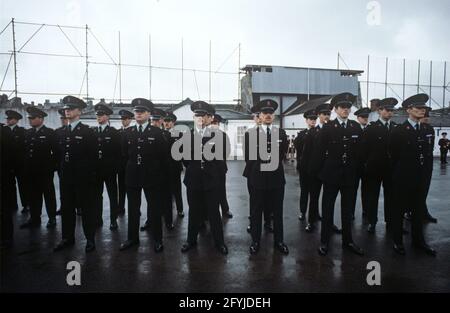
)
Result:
{"points": [[282, 32]]}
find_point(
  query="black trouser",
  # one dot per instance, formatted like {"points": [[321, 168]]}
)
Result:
{"points": [[266, 212], [109, 179], [40, 184], [155, 201], [223, 193], [22, 186], [175, 190], [444, 155], [167, 203], [413, 197], [364, 194], [201, 201], [374, 183], [315, 187], [122, 188], [305, 187], [78, 194], [330, 193], [8, 191], [268, 200]]}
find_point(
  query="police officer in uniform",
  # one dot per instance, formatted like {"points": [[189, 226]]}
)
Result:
{"points": [[58, 132], [444, 145], [337, 160], [12, 120], [266, 175], [410, 149], [125, 117], [145, 149], [39, 167], [108, 162], [378, 163], [77, 155], [303, 159], [202, 177], [175, 167], [215, 124]]}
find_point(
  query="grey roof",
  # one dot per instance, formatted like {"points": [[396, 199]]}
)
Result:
{"points": [[343, 71], [300, 106]]}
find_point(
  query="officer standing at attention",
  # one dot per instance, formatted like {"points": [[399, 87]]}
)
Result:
{"points": [[266, 180], [125, 117], [362, 117], [202, 178], [337, 161], [215, 124], [444, 145], [410, 149], [12, 120], [175, 167], [145, 149], [39, 167], [378, 163], [58, 132], [108, 163], [77, 155], [303, 160]]}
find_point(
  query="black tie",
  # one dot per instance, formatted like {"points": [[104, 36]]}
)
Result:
{"points": [[417, 127], [140, 129], [70, 127], [269, 140], [343, 125]]}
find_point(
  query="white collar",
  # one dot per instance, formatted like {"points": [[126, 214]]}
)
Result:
{"points": [[38, 128], [388, 122], [264, 126], [413, 123], [340, 120], [12, 127], [74, 124], [102, 126], [144, 126]]}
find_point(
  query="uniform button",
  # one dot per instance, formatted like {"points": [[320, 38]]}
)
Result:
{"points": [[67, 146], [138, 147]]}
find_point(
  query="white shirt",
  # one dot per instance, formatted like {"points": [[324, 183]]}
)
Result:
{"points": [[144, 126], [74, 124], [413, 123], [12, 126], [385, 123], [264, 127], [342, 121], [103, 126]]}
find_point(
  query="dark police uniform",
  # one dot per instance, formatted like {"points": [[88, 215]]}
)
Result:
{"points": [[336, 162], [267, 185], [124, 114], [444, 145], [202, 180], [19, 139], [39, 167], [410, 150], [378, 166], [145, 149], [108, 163], [77, 155]]}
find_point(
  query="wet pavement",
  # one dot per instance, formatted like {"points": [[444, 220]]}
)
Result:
{"points": [[32, 266]]}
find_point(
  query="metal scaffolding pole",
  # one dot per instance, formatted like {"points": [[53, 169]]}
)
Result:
{"points": [[368, 69], [404, 78], [418, 77], [338, 57], [14, 57], [431, 79], [445, 84], [210, 71], [87, 66], [385, 78], [150, 67], [120, 73], [239, 76], [182, 70]]}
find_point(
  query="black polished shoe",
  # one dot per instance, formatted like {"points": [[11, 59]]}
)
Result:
{"points": [[353, 248], [51, 223], [371, 228], [180, 214], [121, 212], [301, 216], [113, 225], [128, 244], [79, 212], [63, 244], [170, 227], [249, 229], [268, 227], [25, 210], [399, 248], [280, 246], [323, 249], [90, 246], [407, 216], [145, 227], [309, 228], [188, 246], [254, 247], [222, 249], [319, 218], [30, 224], [100, 223], [426, 248], [228, 214], [337, 230], [430, 219], [58, 212], [158, 247]]}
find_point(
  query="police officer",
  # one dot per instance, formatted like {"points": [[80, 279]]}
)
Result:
{"points": [[77, 154], [215, 124], [39, 167], [12, 121], [145, 149], [378, 163], [175, 167], [362, 117], [125, 117], [58, 132], [337, 161], [108, 162], [444, 145], [303, 160], [410, 149], [202, 177], [266, 175]]}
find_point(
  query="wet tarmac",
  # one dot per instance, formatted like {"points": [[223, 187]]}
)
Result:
{"points": [[32, 266]]}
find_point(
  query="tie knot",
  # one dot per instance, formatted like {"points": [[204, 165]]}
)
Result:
{"points": [[343, 125], [140, 128]]}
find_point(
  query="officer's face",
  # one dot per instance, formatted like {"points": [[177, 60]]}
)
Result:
{"points": [[64, 121], [256, 119], [199, 120], [156, 123], [386, 114], [168, 124], [141, 116], [11, 121], [416, 113], [208, 119], [215, 125], [126, 122], [324, 118], [342, 112], [310, 122], [266, 117], [35, 121], [102, 119], [363, 120], [72, 114]]}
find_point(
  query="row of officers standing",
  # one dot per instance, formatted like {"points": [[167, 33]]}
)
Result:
{"points": [[333, 156]]}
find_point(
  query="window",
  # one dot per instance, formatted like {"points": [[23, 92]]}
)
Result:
{"points": [[240, 134]]}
